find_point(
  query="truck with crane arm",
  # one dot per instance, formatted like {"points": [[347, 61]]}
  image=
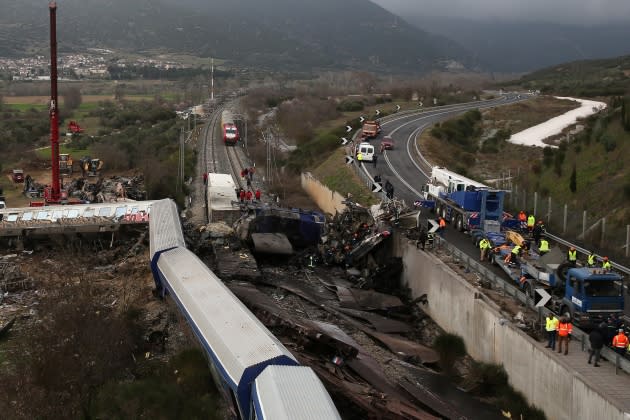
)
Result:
{"points": [[466, 203]]}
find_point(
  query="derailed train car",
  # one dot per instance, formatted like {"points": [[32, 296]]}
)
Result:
{"points": [[254, 370]]}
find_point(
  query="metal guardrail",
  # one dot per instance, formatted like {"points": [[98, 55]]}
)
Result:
{"points": [[585, 251], [499, 283]]}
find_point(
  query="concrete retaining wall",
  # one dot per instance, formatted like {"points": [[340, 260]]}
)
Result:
{"points": [[459, 308], [327, 200]]}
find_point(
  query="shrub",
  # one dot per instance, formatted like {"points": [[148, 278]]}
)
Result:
{"points": [[609, 143], [548, 153], [350, 106], [450, 347]]}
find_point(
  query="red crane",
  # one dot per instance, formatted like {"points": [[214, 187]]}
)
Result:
{"points": [[53, 193]]}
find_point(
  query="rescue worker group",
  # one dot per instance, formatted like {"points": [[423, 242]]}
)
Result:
{"points": [[559, 330], [608, 333], [537, 232]]}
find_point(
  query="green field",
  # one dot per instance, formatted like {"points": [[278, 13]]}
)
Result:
{"points": [[44, 153], [25, 107]]}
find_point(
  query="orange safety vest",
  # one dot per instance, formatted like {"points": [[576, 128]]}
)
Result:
{"points": [[620, 341], [522, 217], [564, 329], [442, 223]]}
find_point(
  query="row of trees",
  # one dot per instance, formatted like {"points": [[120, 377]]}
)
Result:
{"points": [[143, 136]]}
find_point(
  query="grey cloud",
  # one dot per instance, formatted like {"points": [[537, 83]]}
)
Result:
{"points": [[560, 11]]}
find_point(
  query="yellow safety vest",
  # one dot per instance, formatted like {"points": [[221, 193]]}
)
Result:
{"points": [[572, 255], [360, 156], [552, 324], [484, 244], [591, 260], [516, 249], [606, 265], [544, 245], [531, 221]]}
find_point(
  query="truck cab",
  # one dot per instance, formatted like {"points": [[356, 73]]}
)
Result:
{"points": [[592, 295]]}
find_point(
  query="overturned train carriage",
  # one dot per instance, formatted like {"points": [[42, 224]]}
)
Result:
{"points": [[241, 351]]}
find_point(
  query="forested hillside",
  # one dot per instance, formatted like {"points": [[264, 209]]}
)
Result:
{"points": [[271, 34]]}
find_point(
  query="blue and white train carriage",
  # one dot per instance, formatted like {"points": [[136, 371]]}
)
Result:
{"points": [[256, 372]]}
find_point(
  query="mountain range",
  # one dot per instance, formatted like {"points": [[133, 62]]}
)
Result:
{"points": [[276, 34], [303, 36], [520, 42]]}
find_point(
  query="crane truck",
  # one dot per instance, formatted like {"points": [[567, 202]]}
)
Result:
{"points": [[587, 295], [466, 203]]}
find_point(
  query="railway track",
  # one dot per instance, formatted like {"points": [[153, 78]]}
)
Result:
{"points": [[236, 164]]}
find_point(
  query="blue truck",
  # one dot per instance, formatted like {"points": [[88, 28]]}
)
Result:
{"points": [[587, 295], [463, 202]]}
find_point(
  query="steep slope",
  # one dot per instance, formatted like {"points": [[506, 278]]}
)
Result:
{"points": [[273, 33], [582, 78]]}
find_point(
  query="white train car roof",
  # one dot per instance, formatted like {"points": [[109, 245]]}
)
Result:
{"points": [[234, 338], [443, 174], [128, 211], [221, 191], [165, 229], [291, 393]]}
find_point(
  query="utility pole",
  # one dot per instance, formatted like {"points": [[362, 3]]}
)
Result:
{"points": [[212, 81], [267, 138]]}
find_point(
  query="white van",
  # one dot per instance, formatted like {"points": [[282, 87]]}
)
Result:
{"points": [[367, 152]]}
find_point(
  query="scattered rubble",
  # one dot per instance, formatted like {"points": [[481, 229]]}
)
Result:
{"points": [[104, 190], [339, 308]]}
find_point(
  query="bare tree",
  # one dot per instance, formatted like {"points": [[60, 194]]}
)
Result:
{"points": [[72, 98]]}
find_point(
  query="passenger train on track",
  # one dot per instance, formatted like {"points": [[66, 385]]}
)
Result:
{"points": [[252, 368], [230, 131]]}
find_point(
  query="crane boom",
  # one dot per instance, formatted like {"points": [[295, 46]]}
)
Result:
{"points": [[55, 190]]}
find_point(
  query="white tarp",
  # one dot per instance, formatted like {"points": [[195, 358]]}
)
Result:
{"points": [[534, 136]]}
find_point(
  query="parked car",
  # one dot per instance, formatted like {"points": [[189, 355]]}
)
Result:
{"points": [[18, 176], [387, 143]]}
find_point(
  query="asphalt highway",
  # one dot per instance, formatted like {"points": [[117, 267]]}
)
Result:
{"points": [[406, 169]]}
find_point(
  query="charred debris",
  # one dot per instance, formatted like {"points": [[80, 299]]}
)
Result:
{"points": [[337, 304], [102, 190]]}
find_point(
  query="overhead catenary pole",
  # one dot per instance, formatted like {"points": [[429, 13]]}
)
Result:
{"points": [[55, 187]]}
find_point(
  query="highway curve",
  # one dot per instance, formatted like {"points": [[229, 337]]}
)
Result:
{"points": [[404, 168]]}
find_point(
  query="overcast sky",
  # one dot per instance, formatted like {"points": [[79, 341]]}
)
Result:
{"points": [[561, 11]]}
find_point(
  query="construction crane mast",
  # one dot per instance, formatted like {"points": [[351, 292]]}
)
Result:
{"points": [[53, 195]]}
